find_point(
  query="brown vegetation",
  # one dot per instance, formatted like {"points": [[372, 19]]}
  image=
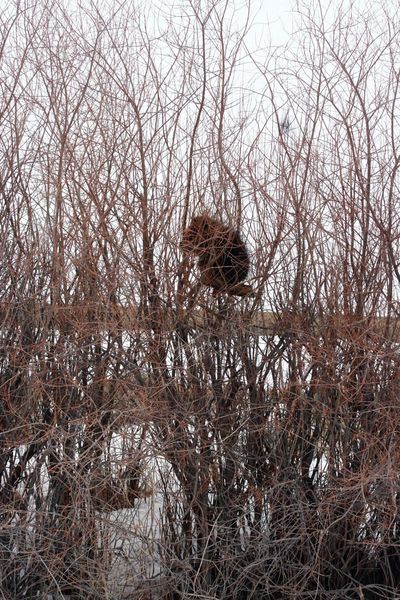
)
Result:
{"points": [[270, 447]]}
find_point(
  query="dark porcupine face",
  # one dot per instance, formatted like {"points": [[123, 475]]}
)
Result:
{"points": [[234, 263]]}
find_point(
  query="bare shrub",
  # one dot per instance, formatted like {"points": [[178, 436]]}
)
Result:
{"points": [[155, 446]]}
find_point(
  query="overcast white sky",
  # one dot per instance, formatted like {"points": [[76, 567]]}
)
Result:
{"points": [[280, 16]]}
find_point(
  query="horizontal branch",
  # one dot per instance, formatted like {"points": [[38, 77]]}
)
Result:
{"points": [[90, 318]]}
